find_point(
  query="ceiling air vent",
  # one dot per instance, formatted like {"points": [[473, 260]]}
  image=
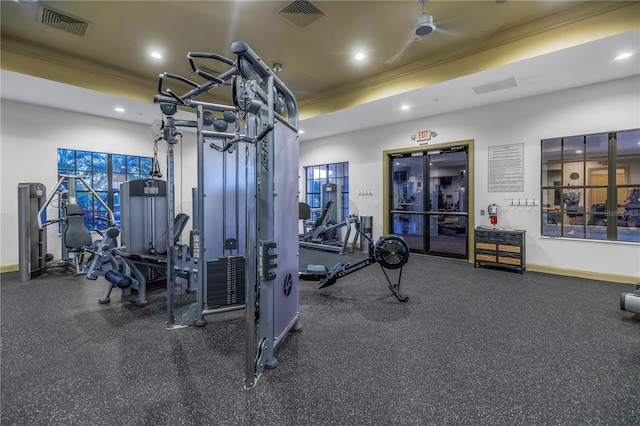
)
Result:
{"points": [[495, 86], [300, 13], [63, 22]]}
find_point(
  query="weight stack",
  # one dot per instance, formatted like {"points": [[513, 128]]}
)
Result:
{"points": [[225, 281]]}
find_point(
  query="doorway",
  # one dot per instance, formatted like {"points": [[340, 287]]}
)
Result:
{"points": [[429, 199]]}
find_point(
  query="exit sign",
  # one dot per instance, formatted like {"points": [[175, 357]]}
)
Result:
{"points": [[423, 135]]}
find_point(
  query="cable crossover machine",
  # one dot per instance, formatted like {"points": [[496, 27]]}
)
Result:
{"points": [[246, 199]]}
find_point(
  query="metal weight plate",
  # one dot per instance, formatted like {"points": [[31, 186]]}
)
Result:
{"points": [[208, 118], [168, 109], [229, 116], [220, 125]]}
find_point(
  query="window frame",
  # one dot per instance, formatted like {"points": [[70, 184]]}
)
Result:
{"points": [[333, 173], [117, 165], [597, 214]]}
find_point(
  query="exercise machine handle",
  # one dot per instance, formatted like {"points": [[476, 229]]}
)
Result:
{"points": [[206, 55], [202, 73]]}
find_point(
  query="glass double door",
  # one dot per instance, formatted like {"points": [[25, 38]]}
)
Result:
{"points": [[429, 200]]}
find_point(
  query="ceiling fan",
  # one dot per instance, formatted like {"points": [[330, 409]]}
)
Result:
{"points": [[423, 27], [424, 24]]}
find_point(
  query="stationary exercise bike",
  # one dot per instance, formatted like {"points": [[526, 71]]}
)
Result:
{"points": [[390, 251]]}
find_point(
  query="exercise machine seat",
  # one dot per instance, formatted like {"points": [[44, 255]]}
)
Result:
{"points": [[76, 235], [325, 214], [179, 223], [304, 211]]}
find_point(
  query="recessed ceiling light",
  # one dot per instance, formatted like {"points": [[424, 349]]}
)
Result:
{"points": [[119, 109], [624, 55], [359, 56], [300, 131], [404, 107], [156, 55]]}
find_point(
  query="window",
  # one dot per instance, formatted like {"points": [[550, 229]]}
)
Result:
{"points": [[317, 177], [104, 172], [591, 186]]}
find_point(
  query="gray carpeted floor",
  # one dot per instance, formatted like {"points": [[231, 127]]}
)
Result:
{"points": [[472, 346]]}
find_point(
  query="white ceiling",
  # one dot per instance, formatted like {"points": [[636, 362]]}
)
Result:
{"points": [[577, 66]]}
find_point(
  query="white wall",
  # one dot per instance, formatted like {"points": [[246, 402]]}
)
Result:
{"points": [[29, 138], [604, 107]]}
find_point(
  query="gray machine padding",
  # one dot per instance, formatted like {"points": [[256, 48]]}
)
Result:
{"points": [[77, 234], [179, 223], [304, 211]]}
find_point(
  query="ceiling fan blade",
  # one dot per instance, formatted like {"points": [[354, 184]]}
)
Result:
{"points": [[447, 28], [408, 42]]}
